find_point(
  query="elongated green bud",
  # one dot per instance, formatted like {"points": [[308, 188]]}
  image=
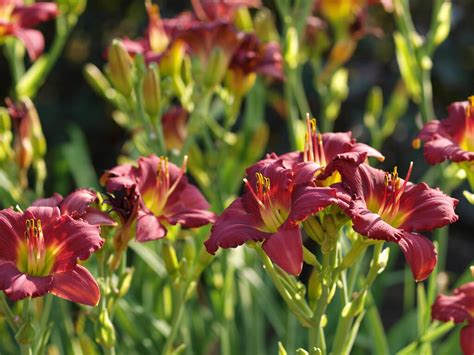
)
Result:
{"points": [[216, 67], [98, 81], [121, 68], [314, 229], [314, 287], [354, 308], [265, 28], [189, 249], [169, 257], [152, 91], [105, 331], [125, 281]]}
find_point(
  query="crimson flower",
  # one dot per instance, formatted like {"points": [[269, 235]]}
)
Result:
{"points": [[269, 211], [18, 20], [220, 9], [163, 197], [320, 150], [39, 251], [451, 138], [383, 206], [458, 308], [77, 205]]}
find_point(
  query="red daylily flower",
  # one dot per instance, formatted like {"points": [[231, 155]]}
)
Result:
{"points": [[320, 150], [269, 211], [220, 9], [163, 196], [39, 250], [18, 20], [458, 308], [383, 206], [77, 205], [451, 138]]}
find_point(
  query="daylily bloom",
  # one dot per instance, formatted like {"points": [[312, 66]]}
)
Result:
{"points": [[164, 196], [220, 9], [451, 138], [39, 250], [18, 20], [383, 206], [321, 149], [458, 308], [269, 211], [77, 205]]}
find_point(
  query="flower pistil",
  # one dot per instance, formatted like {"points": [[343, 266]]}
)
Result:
{"points": [[34, 258]]}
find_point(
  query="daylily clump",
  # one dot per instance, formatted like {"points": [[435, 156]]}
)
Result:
{"points": [[39, 253], [383, 206], [18, 20], [157, 194], [458, 308], [269, 211], [451, 138]]}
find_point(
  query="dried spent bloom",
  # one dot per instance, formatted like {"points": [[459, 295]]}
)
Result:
{"points": [[321, 149], [78, 205], [163, 197], [383, 206], [451, 138], [39, 252], [269, 211], [458, 308], [18, 20]]}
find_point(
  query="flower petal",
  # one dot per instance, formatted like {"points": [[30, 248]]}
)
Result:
{"points": [[449, 308], [32, 39], [149, 227], [420, 254], [235, 227], [426, 208], [467, 339], [76, 203], [76, 285], [18, 285], [440, 149], [47, 215], [307, 200], [98, 218], [285, 249], [52, 201], [71, 240], [12, 226], [31, 15]]}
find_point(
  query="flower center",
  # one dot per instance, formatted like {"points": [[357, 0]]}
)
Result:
{"points": [[34, 258], [389, 207], [157, 196], [273, 215], [467, 142]]}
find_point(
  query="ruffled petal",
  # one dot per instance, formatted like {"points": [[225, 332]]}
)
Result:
{"points": [[467, 339], [12, 227], [440, 149], [425, 208], [449, 308], [47, 215], [305, 172], [98, 218], [120, 177], [420, 254], [285, 249], [147, 174], [336, 143], [31, 15], [76, 203], [18, 285], [76, 285], [307, 200], [235, 227], [71, 240], [149, 227], [52, 201], [32, 39]]}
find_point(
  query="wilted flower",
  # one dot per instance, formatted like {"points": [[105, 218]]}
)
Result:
{"points": [[39, 250], [78, 206], [269, 211], [451, 138], [163, 197], [458, 308], [383, 206], [18, 20], [220, 9]]}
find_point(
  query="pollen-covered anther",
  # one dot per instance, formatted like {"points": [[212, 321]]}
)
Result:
{"points": [[35, 262]]}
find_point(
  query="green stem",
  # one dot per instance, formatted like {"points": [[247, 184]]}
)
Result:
{"points": [[377, 330], [7, 312], [291, 118], [26, 347]]}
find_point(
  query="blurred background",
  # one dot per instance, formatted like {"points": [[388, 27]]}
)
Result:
{"points": [[67, 106]]}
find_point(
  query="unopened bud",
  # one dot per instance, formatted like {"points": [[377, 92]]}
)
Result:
{"points": [[354, 308], [121, 68], [314, 286], [125, 281], [292, 47], [243, 20], [97, 81], [169, 257], [383, 260], [301, 351], [330, 226], [337, 10], [314, 229], [216, 67], [105, 331], [189, 249], [239, 83], [172, 60], [152, 91]]}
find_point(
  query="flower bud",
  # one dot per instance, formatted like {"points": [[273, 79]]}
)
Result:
{"points": [[98, 81], [105, 331], [354, 308], [265, 28], [301, 351], [121, 68], [152, 91], [314, 229], [169, 257], [26, 333], [172, 60], [336, 10], [216, 67], [292, 48], [243, 20], [314, 286], [239, 83], [125, 281], [189, 249]]}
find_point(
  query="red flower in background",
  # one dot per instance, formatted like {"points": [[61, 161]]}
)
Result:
{"points": [[383, 206], [458, 308], [18, 20], [77, 205], [451, 138], [220, 9], [39, 250], [269, 211], [163, 196]]}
